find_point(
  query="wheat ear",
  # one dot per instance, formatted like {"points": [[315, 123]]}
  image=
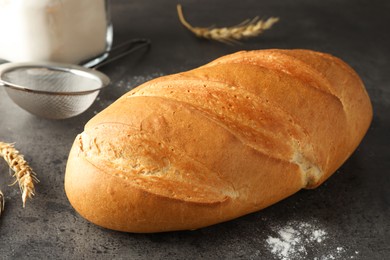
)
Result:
{"points": [[246, 29], [23, 173]]}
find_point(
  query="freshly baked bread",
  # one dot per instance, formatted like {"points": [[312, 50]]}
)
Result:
{"points": [[205, 146]]}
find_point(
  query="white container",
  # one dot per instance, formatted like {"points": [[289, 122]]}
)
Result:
{"points": [[70, 31]]}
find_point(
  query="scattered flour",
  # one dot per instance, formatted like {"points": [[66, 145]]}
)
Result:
{"points": [[135, 81], [295, 240]]}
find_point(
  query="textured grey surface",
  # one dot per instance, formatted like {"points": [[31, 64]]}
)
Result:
{"points": [[352, 207]]}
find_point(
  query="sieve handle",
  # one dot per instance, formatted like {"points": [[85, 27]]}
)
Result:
{"points": [[124, 49]]}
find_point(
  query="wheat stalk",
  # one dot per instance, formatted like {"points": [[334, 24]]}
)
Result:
{"points": [[23, 173], [246, 29], [2, 202]]}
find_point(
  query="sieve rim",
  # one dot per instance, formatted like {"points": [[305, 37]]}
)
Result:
{"points": [[67, 68]]}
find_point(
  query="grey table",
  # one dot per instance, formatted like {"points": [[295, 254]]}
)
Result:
{"points": [[348, 217]]}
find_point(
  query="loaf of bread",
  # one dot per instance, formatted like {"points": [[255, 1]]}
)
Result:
{"points": [[197, 148]]}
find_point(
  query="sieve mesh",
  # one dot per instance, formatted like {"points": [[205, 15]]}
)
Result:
{"points": [[52, 90], [52, 106]]}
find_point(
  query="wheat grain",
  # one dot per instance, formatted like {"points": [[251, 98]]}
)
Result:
{"points": [[23, 173], [248, 28]]}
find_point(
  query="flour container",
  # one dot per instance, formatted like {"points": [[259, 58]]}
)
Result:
{"points": [[67, 31]]}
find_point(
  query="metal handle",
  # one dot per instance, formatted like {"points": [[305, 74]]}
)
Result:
{"points": [[122, 50]]}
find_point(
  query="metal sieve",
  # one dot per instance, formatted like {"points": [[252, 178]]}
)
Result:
{"points": [[57, 90]]}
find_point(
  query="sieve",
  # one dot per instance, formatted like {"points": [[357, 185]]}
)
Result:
{"points": [[57, 90]]}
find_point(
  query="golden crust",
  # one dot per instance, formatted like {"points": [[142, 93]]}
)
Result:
{"points": [[205, 146]]}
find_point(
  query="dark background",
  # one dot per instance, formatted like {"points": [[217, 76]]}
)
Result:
{"points": [[353, 206]]}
